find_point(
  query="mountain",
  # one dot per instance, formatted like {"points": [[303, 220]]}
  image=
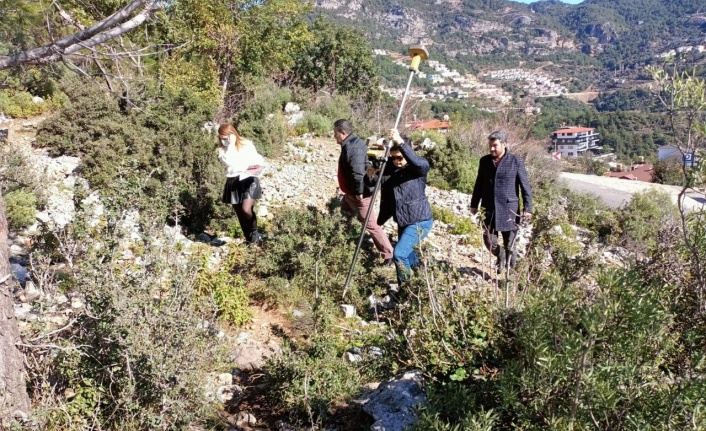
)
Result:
{"points": [[587, 40]]}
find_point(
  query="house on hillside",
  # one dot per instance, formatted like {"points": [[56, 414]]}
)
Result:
{"points": [[423, 125], [637, 172], [574, 141]]}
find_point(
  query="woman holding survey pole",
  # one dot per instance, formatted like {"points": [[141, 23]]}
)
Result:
{"points": [[242, 188], [403, 198]]}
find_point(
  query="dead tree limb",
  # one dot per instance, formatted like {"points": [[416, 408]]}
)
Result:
{"points": [[103, 31]]}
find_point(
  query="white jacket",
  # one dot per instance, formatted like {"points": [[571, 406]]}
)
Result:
{"points": [[238, 162]]}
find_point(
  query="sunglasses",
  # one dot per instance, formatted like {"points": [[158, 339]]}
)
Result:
{"points": [[396, 158]]}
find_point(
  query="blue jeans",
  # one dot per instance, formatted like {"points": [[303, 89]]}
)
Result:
{"points": [[404, 255]]}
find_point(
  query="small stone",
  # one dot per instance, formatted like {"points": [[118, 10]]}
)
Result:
{"points": [[57, 320], [31, 293], [244, 418], [225, 379], [22, 311], [229, 393], [61, 299], [262, 211], [298, 314], [348, 311], [353, 357], [375, 352], [37, 99], [77, 303]]}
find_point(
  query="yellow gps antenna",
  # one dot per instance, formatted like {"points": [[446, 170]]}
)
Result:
{"points": [[418, 53]]}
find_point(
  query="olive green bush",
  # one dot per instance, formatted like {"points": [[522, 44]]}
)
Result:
{"points": [[136, 356], [260, 116], [308, 379], [453, 166], [309, 252], [19, 104], [156, 160], [20, 208], [578, 359], [228, 293], [645, 214]]}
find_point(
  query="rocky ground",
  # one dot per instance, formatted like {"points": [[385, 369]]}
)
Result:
{"points": [[304, 176]]}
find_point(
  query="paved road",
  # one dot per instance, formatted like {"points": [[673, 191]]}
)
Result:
{"points": [[616, 192]]}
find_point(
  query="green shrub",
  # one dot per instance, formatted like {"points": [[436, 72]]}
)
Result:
{"points": [[228, 292], [334, 107], [459, 225], [159, 161], [589, 212], [268, 134], [20, 208], [647, 213], [312, 251], [307, 381], [20, 104], [453, 166], [316, 123], [139, 347]]}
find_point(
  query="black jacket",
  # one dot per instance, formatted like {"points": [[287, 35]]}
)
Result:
{"points": [[403, 195], [352, 165], [496, 189]]}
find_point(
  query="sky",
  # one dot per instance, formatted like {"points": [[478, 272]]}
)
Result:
{"points": [[565, 1]]}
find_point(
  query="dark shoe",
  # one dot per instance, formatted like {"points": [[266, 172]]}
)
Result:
{"points": [[387, 262], [255, 238], [501, 261]]}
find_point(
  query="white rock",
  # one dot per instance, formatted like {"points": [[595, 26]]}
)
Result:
{"points": [[353, 357], [37, 99], [31, 293], [22, 311], [42, 217], [242, 337], [348, 311], [225, 379], [291, 107], [77, 303], [229, 393]]}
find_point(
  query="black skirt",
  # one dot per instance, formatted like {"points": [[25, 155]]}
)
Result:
{"points": [[236, 191]]}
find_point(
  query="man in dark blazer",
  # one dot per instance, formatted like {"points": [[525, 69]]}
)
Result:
{"points": [[501, 179]]}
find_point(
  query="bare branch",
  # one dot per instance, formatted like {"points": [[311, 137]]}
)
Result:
{"points": [[99, 33]]}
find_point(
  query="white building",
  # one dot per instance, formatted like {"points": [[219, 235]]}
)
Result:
{"points": [[574, 141]]}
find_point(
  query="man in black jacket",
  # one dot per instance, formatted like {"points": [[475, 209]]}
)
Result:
{"points": [[500, 176], [352, 166]]}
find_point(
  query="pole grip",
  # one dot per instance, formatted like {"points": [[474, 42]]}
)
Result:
{"points": [[414, 66]]}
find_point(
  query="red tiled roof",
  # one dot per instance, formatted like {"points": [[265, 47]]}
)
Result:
{"points": [[574, 130], [640, 172], [428, 125]]}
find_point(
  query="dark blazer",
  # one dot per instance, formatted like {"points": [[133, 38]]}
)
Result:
{"points": [[496, 189], [353, 163], [403, 191]]}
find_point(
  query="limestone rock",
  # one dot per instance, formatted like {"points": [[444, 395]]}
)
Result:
{"points": [[393, 403], [252, 356]]}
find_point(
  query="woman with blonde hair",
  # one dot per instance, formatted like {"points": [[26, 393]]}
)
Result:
{"points": [[242, 188]]}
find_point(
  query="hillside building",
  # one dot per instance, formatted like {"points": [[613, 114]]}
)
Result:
{"points": [[436, 125], [574, 141]]}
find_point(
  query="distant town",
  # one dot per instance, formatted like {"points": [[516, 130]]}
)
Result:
{"points": [[451, 84]]}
